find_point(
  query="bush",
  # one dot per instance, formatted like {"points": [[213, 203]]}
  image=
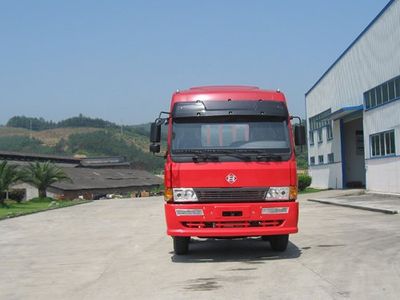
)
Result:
{"points": [[17, 195], [304, 181]]}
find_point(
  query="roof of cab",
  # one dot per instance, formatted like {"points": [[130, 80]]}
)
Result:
{"points": [[225, 92]]}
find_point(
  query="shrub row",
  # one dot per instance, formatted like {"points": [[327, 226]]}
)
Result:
{"points": [[304, 181]]}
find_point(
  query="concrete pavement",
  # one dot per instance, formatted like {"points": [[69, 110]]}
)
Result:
{"points": [[117, 249], [389, 204]]}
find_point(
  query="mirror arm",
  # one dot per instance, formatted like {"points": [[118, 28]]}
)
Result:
{"points": [[164, 113], [160, 120], [296, 117]]}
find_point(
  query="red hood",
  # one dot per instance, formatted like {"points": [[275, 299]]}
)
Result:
{"points": [[242, 174]]}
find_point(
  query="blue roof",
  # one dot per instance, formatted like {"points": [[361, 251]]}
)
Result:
{"points": [[344, 111], [351, 45]]}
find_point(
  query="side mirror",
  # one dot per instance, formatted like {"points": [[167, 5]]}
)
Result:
{"points": [[155, 133], [299, 135], [155, 137], [155, 148]]}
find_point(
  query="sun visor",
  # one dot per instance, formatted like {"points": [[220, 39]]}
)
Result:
{"points": [[224, 108]]}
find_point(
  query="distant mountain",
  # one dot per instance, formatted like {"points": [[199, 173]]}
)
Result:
{"points": [[80, 135], [144, 129], [37, 124]]}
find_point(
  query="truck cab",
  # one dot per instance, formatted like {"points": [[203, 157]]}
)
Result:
{"points": [[230, 167]]}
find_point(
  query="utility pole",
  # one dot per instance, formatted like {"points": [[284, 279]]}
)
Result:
{"points": [[30, 128]]}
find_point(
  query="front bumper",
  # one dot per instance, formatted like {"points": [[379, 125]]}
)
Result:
{"points": [[232, 220]]}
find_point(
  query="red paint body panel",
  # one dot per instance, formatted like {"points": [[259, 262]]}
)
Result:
{"points": [[212, 175], [213, 214], [248, 174]]}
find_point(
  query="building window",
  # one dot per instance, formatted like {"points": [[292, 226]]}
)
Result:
{"points": [[319, 135], [312, 160], [385, 93], [383, 144], [392, 90], [378, 95], [329, 133], [382, 93], [311, 137], [330, 158], [397, 85], [320, 159], [318, 122]]}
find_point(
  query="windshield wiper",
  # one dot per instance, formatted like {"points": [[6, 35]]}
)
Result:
{"points": [[243, 154], [187, 151], [248, 154], [269, 157], [212, 154], [204, 156], [235, 154], [197, 154]]}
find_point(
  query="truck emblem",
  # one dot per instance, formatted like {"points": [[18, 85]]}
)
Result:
{"points": [[231, 178]]}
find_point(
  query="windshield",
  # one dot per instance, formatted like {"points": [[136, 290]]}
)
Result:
{"points": [[221, 134]]}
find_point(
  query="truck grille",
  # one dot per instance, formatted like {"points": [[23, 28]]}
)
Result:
{"points": [[230, 194]]}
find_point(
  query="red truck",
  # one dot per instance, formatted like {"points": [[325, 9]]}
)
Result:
{"points": [[230, 166]]}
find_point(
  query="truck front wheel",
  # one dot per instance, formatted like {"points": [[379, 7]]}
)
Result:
{"points": [[279, 242], [181, 245]]}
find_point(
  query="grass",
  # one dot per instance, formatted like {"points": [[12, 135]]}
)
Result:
{"points": [[310, 190], [16, 209]]}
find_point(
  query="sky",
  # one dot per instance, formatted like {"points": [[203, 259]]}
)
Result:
{"points": [[122, 60]]}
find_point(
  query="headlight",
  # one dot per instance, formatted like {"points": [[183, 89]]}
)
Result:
{"points": [[184, 195], [277, 193]]}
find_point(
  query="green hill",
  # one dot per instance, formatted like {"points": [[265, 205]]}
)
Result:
{"points": [[107, 139]]}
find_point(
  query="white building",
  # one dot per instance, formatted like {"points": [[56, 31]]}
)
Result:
{"points": [[353, 112]]}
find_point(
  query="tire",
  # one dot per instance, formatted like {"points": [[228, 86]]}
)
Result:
{"points": [[181, 245], [279, 242]]}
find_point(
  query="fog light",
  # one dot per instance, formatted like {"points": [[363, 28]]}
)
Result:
{"points": [[189, 212], [274, 210]]}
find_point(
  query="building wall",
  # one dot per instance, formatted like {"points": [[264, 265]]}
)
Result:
{"points": [[383, 173], [382, 118], [373, 59], [334, 179], [30, 191], [326, 176]]}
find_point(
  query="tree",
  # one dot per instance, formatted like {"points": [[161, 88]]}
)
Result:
{"points": [[9, 175], [24, 144], [35, 124], [42, 175]]}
